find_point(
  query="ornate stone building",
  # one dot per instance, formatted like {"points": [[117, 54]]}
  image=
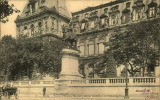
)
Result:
{"points": [[94, 25], [42, 17]]}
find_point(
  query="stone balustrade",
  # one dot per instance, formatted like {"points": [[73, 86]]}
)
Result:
{"points": [[115, 81], [29, 83], [102, 81]]}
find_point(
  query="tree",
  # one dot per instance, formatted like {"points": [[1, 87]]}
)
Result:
{"points": [[6, 10], [107, 67], [137, 47], [7, 49], [29, 56]]}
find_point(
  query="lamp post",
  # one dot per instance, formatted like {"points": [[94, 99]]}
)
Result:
{"points": [[126, 88]]}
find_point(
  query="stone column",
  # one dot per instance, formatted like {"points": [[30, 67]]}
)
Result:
{"points": [[70, 65]]}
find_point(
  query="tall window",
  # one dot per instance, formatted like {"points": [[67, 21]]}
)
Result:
{"points": [[82, 50], [126, 16], [101, 48], [138, 10], [53, 25], [46, 26], [137, 15], [152, 8], [83, 26], [100, 44], [92, 24], [114, 15], [33, 8], [25, 32], [90, 49], [40, 28], [152, 12], [113, 19], [32, 30], [86, 15]]}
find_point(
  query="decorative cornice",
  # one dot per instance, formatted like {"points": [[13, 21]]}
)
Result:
{"points": [[100, 6], [47, 11]]}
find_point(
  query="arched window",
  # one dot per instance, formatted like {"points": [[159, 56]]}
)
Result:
{"points": [[40, 28], [32, 30], [25, 32]]}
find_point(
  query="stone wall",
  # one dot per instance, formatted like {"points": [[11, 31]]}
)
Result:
{"points": [[140, 87]]}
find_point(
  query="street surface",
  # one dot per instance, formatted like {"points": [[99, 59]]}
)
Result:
{"points": [[68, 98]]}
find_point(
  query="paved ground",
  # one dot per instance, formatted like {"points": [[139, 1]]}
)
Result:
{"points": [[66, 98]]}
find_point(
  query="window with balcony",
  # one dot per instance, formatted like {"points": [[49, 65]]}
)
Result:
{"points": [[125, 16], [138, 10], [114, 15], [84, 25], [114, 19], [104, 20]]}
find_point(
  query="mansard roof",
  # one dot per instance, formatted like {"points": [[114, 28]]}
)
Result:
{"points": [[46, 11], [99, 6], [47, 6]]}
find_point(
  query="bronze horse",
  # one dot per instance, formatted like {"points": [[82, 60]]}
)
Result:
{"points": [[69, 37]]}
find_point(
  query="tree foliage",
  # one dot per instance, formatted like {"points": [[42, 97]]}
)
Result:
{"points": [[27, 57], [137, 47], [107, 68], [6, 10]]}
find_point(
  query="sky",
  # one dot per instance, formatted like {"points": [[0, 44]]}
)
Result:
{"points": [[9, 28]]}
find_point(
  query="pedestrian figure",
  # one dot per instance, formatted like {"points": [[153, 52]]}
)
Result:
{"points": [[44, 91]]}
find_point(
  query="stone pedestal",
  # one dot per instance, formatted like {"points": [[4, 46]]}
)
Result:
{"points": [[69, 71], [70, 65]]}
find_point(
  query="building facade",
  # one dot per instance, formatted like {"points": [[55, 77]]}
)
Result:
{"points": [[42, 17], [94, 25]]}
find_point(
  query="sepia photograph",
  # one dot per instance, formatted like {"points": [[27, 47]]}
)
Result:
{"points": [[79, 49]]}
